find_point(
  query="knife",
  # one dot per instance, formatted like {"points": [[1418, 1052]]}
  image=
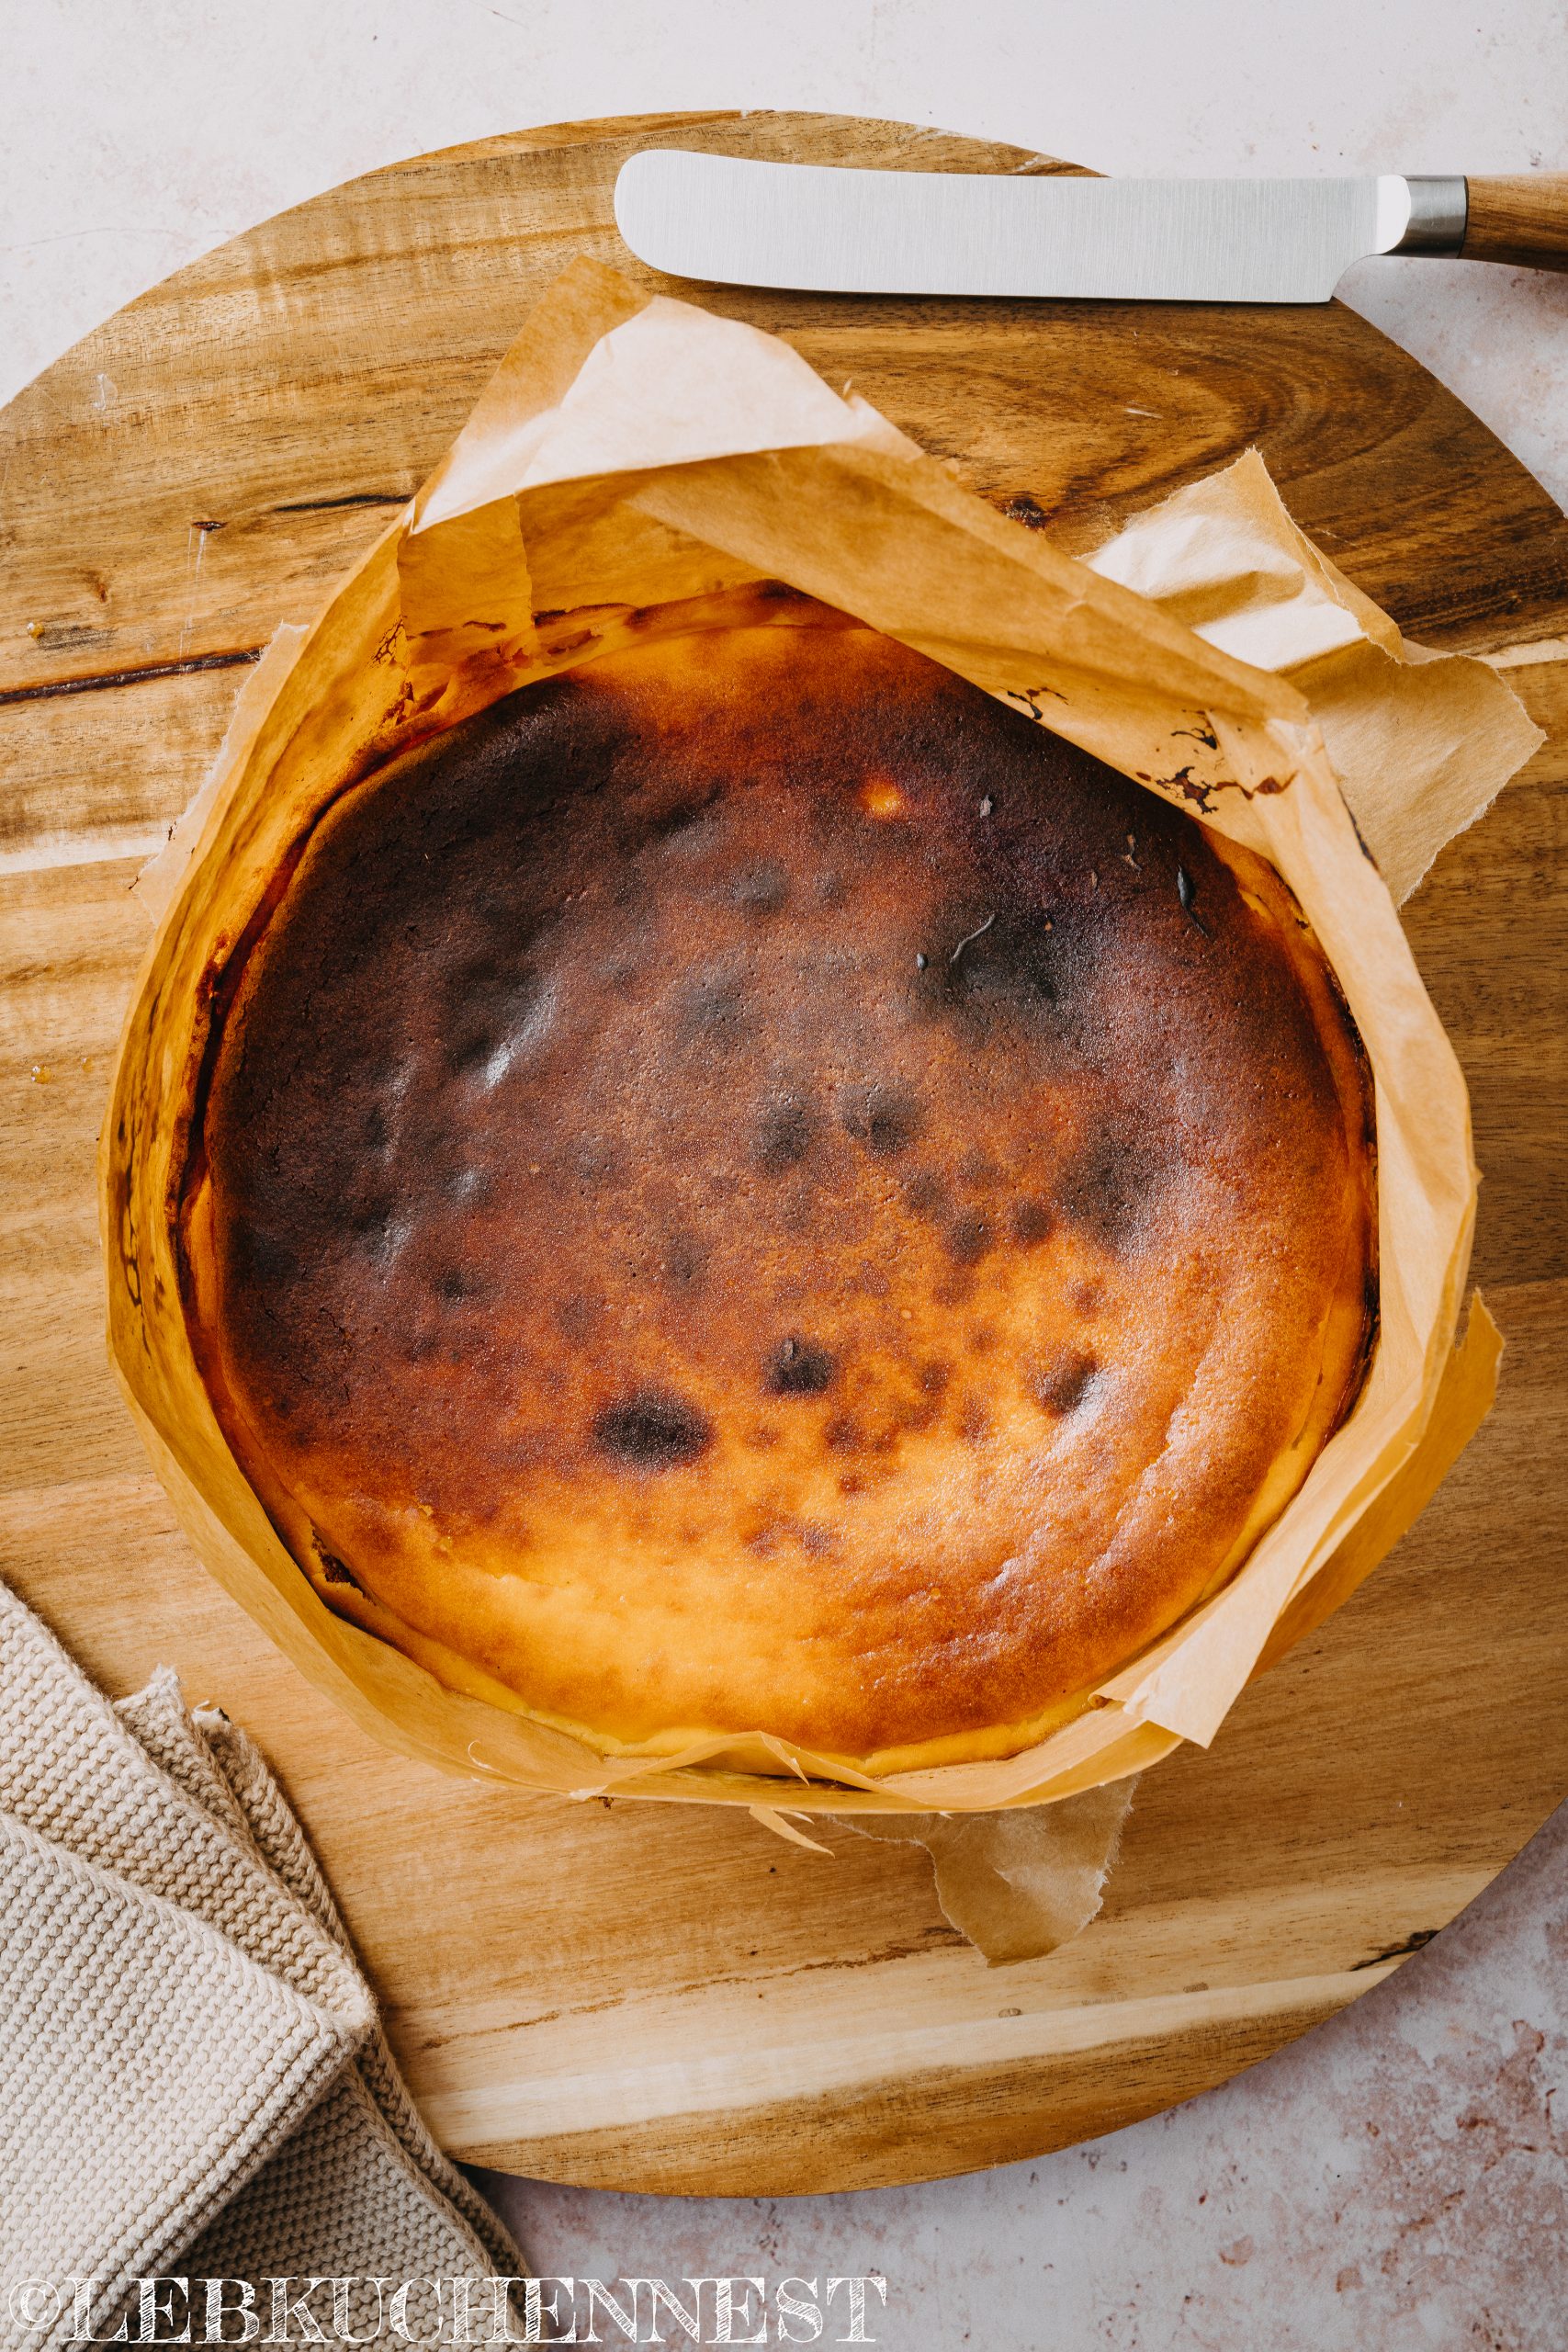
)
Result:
{"points": [[734, 221]]}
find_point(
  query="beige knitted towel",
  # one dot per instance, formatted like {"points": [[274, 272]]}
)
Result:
{"points": [[192, 2081]]}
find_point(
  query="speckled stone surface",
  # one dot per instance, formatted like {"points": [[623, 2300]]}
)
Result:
{"points": [[1399, 2180]]}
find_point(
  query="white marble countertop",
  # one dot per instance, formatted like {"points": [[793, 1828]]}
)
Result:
{"points": [[1399, 2180]]}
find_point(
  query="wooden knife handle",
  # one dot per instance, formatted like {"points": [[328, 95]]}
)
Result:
{"points": [[1523, 220]]}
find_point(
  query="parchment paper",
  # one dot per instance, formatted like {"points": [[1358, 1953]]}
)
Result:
{"points": [[1421, 742], [633, 453], [1017, 1885]]}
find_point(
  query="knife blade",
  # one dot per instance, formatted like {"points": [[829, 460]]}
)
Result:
{"points": [[732, 220]]}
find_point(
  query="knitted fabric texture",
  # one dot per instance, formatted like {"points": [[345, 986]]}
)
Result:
{"points": [[193, 2080]]}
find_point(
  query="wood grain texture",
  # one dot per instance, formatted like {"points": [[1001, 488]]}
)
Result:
{"points": [[1523, 218], [668, 1998]]}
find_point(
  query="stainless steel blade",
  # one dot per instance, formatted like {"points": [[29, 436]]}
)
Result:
{"points": [[841, 230]]}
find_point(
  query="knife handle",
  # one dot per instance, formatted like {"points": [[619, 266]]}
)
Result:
{"points": [[1523, 220]]}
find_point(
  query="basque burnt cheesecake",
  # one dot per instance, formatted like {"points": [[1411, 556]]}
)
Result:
{"points": [[751, 1187]]}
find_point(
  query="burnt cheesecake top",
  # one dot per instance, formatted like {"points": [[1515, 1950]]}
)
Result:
{"points": [[750, 1186]]}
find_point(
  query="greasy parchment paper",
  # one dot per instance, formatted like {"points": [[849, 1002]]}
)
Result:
{"points": [[633, 453]]}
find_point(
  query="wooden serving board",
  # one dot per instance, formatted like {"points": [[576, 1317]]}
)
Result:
{"points": [[670, 1999]]}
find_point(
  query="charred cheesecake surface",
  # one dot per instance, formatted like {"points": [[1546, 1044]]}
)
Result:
{"points": [[750, 1186]]}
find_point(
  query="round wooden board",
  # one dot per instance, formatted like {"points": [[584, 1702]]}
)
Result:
{"points": [[668, 1998]]}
